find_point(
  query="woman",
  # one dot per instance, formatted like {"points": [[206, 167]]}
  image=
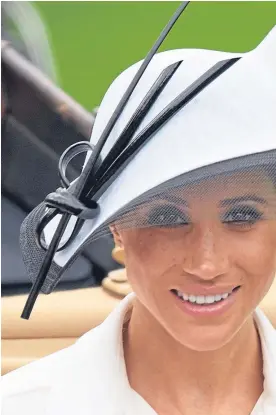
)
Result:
{"points": [[194, 211]]}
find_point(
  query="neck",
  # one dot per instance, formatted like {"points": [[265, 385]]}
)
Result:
{"points": [[157, 362]]}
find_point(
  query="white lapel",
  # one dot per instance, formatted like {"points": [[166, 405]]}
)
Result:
{"points": [[268, 340], [88, 381]]}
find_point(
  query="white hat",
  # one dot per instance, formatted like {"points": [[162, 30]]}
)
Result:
{"points": [[229, 124]]}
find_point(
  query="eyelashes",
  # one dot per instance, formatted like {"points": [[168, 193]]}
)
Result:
{"points": [[170, 216], [167, 216], [242, 215]]}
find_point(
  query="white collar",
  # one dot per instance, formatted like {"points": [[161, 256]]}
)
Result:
{"points": [[94, 378], [91, 379], [268, 341]]}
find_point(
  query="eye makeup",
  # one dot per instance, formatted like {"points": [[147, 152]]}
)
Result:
{"points": [[166, 215]]}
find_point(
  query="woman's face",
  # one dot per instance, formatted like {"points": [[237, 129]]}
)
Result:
{"points": [[218, 240]]}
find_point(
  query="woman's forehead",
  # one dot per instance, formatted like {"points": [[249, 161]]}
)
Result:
{"points": [[232, 185], [222, 190]]}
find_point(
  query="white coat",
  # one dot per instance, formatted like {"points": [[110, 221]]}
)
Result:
{"points": [[89, 378]]}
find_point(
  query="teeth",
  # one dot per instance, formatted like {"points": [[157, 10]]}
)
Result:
{"points": [[225, 295], [210, 299], [192, 298], [201, 299]]}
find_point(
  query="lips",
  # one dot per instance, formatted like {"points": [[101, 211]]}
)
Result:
{"points": [[199, 290], [201, 299], [199, 308]]}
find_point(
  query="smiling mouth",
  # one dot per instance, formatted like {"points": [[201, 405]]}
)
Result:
{"points": [[204, 300]]}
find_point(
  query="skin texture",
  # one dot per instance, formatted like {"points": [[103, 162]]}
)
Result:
{"points": [[188, 365]]}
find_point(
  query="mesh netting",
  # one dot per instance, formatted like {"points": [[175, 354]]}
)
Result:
{"points": [[32, 254], [233, 191], [238, 193]]}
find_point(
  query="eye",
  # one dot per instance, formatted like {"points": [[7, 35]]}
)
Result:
{"points": [[167, 215], [242, 215]]}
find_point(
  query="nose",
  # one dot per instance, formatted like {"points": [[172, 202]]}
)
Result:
{"points": [[206, 254]]}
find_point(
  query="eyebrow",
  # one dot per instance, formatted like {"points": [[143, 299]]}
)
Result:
{"points": [[175, 199], [247, 198], [222, 203]]}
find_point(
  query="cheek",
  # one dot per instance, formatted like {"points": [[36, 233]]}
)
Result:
{"points": [[255, 253], [259, 249], [149, 254]]}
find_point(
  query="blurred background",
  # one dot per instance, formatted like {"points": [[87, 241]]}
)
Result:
{"points": [[92, 42], [58, 59]]}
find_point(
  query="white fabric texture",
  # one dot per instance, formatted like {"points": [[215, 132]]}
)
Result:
{"points": [[89, 378], [233, 116]]}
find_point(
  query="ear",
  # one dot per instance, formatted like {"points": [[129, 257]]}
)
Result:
{"points": [[117, 236]]}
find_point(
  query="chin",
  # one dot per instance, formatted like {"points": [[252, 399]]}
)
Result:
{"points": [[206, 338], [208, 343]]}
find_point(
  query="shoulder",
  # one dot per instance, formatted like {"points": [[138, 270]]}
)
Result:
{"points": [[62, 382], [28, 387]]}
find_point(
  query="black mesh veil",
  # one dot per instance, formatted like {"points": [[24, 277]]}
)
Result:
{"points": [[249, 182], [195, 140]]}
